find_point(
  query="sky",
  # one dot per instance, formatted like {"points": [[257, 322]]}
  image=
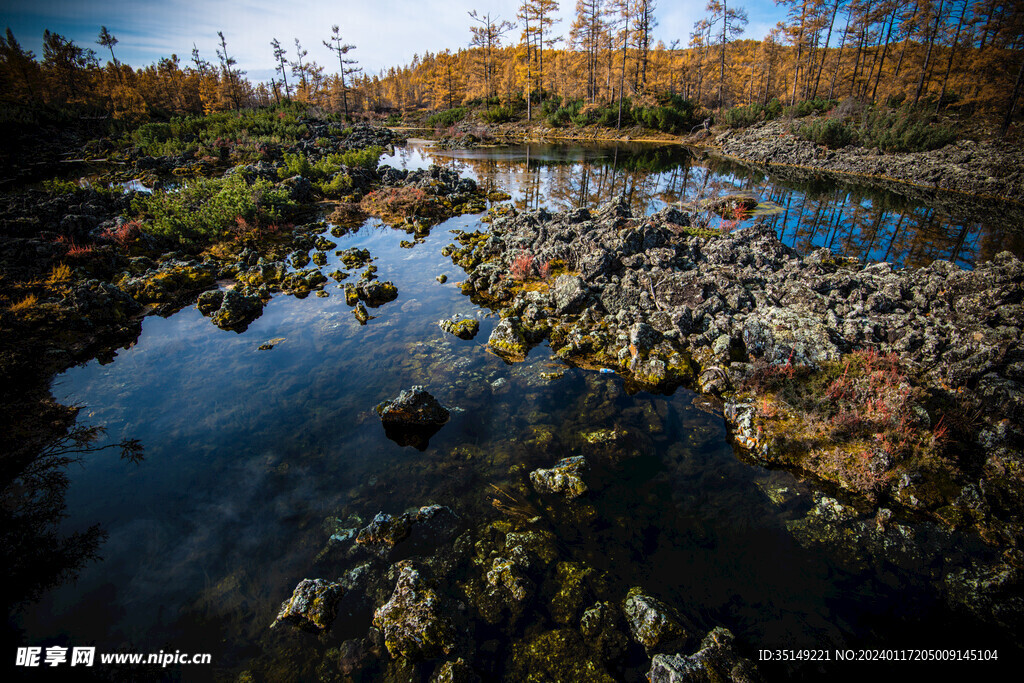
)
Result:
{"points": [[385, 32]]}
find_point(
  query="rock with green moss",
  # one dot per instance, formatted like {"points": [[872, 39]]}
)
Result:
{"points": [[355, 258], [605, 632], [237, 310], [323, 244], [362, 315], [717, 661], [384, 532], [465, 328], [573, 581], [338, 275], [319, 258], [415, 621], [209, 301], [559, 655], [300, 259], [455, 672], [377, 293], [351, 295], [653, 623], [564, 478], [311, 606], [508, 340]]}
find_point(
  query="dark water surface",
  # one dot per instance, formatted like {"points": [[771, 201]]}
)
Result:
{"points": [[253, 456]]}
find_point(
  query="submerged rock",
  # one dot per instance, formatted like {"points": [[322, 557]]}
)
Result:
{"points": [[565, 477], [311, 606], [716, 662], [415, 621]]}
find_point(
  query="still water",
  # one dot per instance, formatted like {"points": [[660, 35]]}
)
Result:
{"points": [[252, 454]]}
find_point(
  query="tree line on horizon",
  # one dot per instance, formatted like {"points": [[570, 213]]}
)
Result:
{"points": [[927, 53]]}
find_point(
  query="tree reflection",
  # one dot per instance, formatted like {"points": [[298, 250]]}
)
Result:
{"points": [[43, 438], [808, 210]]}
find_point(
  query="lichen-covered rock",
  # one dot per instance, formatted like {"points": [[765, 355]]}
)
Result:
{"points": [[455, 672], [376, 293], [652, 623], [559, 655], [355, 258], [565, 477], [570, 294], [237, 310], [384, 532], [604, 631], [716, 662], [507, 339], [361, 314], [415, 621], [413, 407], [209, 301], [311, 606], [465, 328]]}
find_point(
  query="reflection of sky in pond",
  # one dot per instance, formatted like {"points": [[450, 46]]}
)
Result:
{"points": [[856, 220], [248, 452]]}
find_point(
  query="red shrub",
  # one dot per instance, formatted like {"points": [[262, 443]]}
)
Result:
{"points": [[522, 266]]}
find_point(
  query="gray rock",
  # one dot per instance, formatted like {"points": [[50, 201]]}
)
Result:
{"points": [[413, 407], [570, 294], [652, 623], [311, 606], [716, 662]]}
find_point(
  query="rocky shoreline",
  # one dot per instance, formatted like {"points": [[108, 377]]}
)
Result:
{"points": [[902, 386], [985, 169]]}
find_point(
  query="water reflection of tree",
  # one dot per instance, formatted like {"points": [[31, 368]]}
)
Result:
{"points": [[863, 221], [43, 438]]}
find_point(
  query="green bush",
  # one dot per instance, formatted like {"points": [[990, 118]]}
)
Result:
{"points": [[902, 131], [498, 115], [742, 117], [448, 117], [330, 164], [337, 186], [563, 115], [673, 114], [832, 133], [808, 107], [206, 209]]}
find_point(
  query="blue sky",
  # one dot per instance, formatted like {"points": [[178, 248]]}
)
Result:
{"points": [[385, 32]]}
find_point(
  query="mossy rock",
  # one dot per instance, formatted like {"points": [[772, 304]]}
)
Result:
{"points": [[559, 655], [463, 329]]}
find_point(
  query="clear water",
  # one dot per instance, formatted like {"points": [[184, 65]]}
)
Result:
{"points": [[248, 452]]}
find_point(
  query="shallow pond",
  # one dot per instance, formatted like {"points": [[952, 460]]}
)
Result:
{"points": [[252, 456]]}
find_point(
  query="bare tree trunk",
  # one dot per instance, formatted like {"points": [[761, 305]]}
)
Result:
{"points": [[952, 52], [928, 54]]}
